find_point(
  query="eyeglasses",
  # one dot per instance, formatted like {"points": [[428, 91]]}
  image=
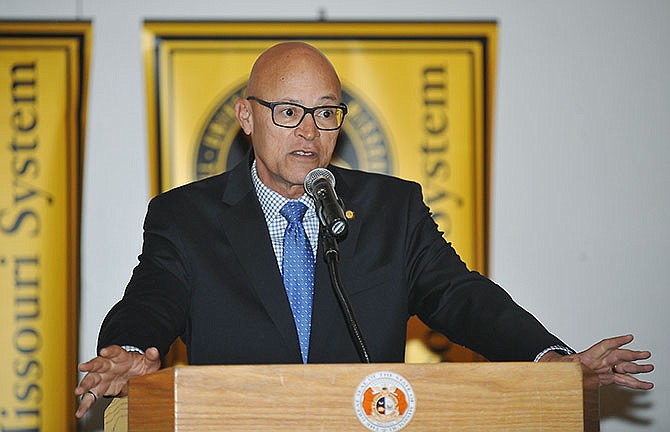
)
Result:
{"points": [[290, 115]]}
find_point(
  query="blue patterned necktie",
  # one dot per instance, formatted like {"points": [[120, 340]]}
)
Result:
{"points": [[298, 272]]}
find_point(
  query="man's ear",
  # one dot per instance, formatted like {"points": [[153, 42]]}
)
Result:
{"points": [[244, 116]]}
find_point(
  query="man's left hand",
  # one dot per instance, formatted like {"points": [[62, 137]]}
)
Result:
{"points": [[612, 363]]}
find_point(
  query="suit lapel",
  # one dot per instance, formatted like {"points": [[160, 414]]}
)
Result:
{"points": [[245, 226]]}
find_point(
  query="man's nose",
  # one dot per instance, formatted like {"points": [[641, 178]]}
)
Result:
{"points": [[307, 127]]}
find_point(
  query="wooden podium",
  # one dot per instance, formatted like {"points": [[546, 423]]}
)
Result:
{"points": [[446, 396]]}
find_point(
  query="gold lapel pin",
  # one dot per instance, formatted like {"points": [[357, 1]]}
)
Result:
{"points": [[349, 214]]}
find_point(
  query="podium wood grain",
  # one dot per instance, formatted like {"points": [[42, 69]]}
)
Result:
{"points": [[449, 397]]}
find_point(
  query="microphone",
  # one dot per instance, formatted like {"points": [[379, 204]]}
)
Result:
{"points": [[320, 185]]}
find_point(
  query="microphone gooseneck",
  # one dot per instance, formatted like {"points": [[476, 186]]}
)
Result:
{"points": [[332, 255]]}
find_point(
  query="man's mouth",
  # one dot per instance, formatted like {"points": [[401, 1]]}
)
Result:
{"points": [[303, 153]]}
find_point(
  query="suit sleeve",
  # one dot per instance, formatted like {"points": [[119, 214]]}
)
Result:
{"points": [[467, 307], [155, 305]]}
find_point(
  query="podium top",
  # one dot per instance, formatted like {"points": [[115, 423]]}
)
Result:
{"points": [[453, 396]]}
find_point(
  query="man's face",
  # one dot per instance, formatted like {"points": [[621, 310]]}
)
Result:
{"points": [[285, 156]]}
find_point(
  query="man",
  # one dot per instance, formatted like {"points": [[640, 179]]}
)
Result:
{"points": [[218, 263]]}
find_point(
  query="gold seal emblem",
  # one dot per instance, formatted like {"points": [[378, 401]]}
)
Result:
{"points": [[384, 401]]}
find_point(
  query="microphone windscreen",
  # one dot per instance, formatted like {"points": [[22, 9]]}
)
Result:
{"points": [[316, 174]]}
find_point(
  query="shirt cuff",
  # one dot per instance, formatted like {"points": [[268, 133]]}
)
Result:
{"points": [[132, 349], [561, 349]]}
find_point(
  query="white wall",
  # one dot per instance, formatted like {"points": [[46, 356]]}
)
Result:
{"points": [[581, 162]]}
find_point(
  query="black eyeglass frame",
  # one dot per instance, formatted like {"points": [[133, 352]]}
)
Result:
{"points": [[306, 111]]}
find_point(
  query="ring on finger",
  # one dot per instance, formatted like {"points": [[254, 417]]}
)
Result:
{"points": [[614, 369], [95, 397]]}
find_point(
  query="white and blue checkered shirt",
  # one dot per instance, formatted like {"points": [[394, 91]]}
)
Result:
{"points": [[271, 203]]}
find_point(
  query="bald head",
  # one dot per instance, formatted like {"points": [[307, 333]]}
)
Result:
{"points": [[286, 77], [290, 61]]}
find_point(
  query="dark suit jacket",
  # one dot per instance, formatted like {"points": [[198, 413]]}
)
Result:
{"points": [[208, 273]]}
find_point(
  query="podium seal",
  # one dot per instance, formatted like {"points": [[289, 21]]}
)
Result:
{"points": [[384, 401]]}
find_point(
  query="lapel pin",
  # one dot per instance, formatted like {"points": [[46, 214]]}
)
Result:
{"points": [[349, 214]]}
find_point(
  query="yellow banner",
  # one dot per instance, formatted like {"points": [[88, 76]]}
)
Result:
{"points": [[420, 99], [43, 74]]}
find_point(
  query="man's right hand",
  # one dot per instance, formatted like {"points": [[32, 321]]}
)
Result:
{"points": [[108, 374]]}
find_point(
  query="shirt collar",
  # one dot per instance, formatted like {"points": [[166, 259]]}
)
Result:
{"points": [[271, 201]]}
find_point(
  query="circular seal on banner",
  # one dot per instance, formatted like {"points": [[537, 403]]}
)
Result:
{"points": [[362, 143], [384, 401]]}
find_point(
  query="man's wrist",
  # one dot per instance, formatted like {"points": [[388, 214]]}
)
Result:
{"points": [[558, 349], [132, 349]]}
